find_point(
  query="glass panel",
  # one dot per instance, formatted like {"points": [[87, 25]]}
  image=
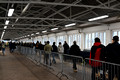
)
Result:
{"points": [[114, 33], [78, 40], [86, 41], [101, 37], [51, 39], [89, 41], [96, 35], [93, 37], [104, 42], [69, 41]]}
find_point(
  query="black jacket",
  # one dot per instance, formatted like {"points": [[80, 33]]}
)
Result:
{"points": [[55, 49], [41, 47], [113, 53], [75, 50], [66, 48], [94, 48]]}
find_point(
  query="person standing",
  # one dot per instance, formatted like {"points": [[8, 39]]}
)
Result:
{"points": [[3, 48], [47, 49], [55, 49], [66, 50], [37, 45], [74, 50], [0, 46], [113, 56], [60, 50], [95, 54]]}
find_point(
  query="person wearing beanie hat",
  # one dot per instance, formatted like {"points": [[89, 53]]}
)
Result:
{"points": [[113, 56], [95, 54]]}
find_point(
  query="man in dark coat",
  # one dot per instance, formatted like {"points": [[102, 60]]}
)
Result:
{"points": [[66, 49], [74, 50], [55, 49], [113, 56]]}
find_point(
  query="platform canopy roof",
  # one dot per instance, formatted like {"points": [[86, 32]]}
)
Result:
{"points": [[34, 16]]}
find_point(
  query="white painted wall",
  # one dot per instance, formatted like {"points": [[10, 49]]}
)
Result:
{"points": [[105, 28]]}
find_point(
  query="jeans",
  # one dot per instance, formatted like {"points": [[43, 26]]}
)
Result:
{"points": [[74, 64], [96, 69], [112, 71], [3, 51], [61, 57], [53, 56], [47, 59]]}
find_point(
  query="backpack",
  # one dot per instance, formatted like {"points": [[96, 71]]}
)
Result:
{"points": [[96, 57]]}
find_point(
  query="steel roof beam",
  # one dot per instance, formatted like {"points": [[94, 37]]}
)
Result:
{"points": [[7, 10], [32, 29], [25, 25], [60, 4], [35, 18], [84, 12], [77, 1]]}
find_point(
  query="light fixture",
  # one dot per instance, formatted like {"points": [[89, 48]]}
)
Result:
{"points": [[44, 31], [37, 33], [54, 29], [32, 34], [16, 20], [2, 34], [10, 12], [28, 35], [5, 27], [7, 22], [72, 24], [97, 18]]}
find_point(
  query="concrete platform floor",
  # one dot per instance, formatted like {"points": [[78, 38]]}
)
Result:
{"points": [[16, 67]]}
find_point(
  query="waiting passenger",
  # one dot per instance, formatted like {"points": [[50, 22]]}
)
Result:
{"points": [[0, 45], [55, 49], [37, 45], [74, 50], [3, 48], [66, 49], [13, 46], [47, 49], [95, 54], [41, 46], [113, 56], [10, 46], [60, 50]]}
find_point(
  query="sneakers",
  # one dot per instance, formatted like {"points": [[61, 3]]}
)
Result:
{"points": [[75, 70]]}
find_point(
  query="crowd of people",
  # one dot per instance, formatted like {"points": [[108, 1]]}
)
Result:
{"points": [[109, 53], [52, 49]]}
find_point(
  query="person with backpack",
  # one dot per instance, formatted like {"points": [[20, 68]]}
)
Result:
{"points": [[95, 54]]}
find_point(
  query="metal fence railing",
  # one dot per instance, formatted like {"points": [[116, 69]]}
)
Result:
{"points": [[101, 70], [72, 67]]}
